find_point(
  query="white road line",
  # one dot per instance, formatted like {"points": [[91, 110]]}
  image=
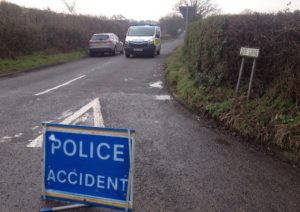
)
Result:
{"points": [[5, 139], [163, 97], [18, 135], [34, 128], [98, 119], [157, 84], [66, 83]]}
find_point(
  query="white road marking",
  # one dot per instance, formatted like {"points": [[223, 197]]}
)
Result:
{"points": [[98, 120], [81, 119], [128, 79], [95, 105], [64, 84], [36, 142], [157, 84], [5, 139], [18, 135], [163, 97], [65, 114], [34, 128]]}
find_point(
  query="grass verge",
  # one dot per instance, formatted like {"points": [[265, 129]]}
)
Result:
{"points": [[10, 66], [273, 119]]}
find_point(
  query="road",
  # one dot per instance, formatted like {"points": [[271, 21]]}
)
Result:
{"points": [[182, 164]]}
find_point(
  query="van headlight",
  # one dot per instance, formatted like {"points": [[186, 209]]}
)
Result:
{"points": [[150, 42]]}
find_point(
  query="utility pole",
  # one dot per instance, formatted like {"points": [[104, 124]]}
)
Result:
{"points": [[187, 17]]}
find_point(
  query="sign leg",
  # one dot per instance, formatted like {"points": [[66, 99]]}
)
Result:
{"points": [[240, 77], [62, 208], [251, 79]]}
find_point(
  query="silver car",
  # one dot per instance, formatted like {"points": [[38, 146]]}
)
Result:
{"points": [[105, 43]]}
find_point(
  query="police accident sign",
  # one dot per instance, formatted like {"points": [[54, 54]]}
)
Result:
{"points": [[88, 165]]}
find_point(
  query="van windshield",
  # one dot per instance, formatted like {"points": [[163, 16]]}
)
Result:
{"points": [[141, 31]]}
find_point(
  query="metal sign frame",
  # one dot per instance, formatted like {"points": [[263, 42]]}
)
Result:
{"points": [[251, 53], [87, 200]]}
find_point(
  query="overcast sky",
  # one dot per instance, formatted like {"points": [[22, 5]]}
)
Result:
{"points": [[153, 9]]}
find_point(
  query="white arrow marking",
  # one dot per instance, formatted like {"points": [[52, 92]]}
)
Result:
{"points": [[98, 120]]}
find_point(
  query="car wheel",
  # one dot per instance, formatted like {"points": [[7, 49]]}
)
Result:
{"points": [[122, 51], [158, 52], [127, 54], [115, 51]]}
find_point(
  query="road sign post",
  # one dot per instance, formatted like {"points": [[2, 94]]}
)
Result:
{"points": [[250, 53], [88, 165]]}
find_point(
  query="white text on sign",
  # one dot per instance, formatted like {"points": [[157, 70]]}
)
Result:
{"points": [[75, 149]]}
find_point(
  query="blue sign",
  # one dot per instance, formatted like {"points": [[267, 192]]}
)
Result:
{"points": [[88, 165]]}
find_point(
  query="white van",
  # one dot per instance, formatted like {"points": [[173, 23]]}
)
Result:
{"points": [[143, 40]]}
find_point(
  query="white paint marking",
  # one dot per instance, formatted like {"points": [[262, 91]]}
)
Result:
{"points": [[65, 114], [95, 105], [98, 120], [66, 83], [163, 97], [5, 139], [157, 84], [81, 119], [18, 135], [34, 128], [36, 142]]}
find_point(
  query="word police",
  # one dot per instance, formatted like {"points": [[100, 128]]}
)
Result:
{"points": [[103, 151]]}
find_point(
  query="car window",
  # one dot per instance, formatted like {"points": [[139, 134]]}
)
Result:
{"points": [[100, 37]]}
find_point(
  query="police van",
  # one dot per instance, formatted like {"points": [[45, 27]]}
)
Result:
{"points": [[143, 40]]}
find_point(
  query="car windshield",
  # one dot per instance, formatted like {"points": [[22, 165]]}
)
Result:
{"points": [[141, 31], [100, 37]]}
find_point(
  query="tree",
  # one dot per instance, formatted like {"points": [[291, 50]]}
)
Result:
{"points": [[71, 6], [171, 24], [200, 8]]}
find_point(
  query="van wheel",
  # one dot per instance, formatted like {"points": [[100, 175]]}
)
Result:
{"points": [[153, 54]]}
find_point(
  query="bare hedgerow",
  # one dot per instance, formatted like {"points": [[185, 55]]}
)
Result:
{"points": [[26, 31], [212, 49]]}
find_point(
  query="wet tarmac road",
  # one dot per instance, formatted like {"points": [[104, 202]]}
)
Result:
{"points": [[180, 164]]}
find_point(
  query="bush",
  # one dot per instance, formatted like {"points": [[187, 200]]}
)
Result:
{"points": [[211, 51], [25, 31]]}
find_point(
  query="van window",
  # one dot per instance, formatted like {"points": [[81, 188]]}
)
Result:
{"points": [[141, 31], [158, 34]]}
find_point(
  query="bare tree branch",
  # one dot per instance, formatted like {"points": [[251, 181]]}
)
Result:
{"points": [[71, 7], [203, 7]]}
